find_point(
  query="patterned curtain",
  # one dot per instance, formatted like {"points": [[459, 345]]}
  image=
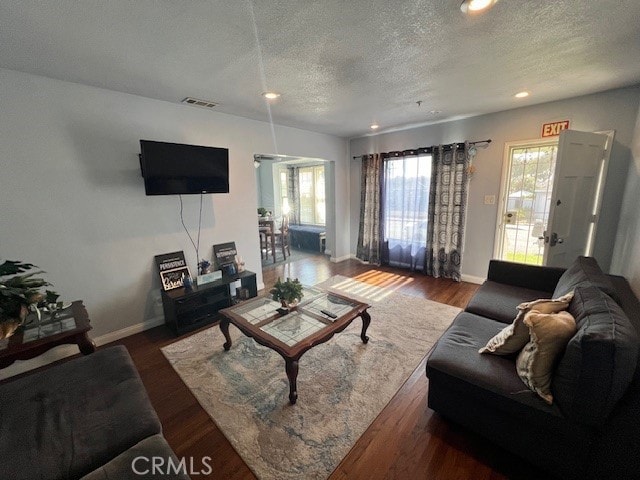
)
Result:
{"points": [[293, 192], [447, 211], [370, 187]]}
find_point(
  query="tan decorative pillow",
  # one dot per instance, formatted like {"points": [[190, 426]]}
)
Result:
{"points": [[513, 337], [550, 333]]}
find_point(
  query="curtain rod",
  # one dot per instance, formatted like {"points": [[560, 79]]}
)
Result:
{"points": [[423, 149]]}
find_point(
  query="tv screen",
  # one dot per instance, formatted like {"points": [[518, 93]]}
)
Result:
{"points": [[175, 168]]}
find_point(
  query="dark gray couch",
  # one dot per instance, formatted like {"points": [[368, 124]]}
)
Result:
{"points": [[592, 430], [87, 417]]}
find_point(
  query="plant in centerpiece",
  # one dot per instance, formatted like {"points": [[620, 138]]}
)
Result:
{"points": [[17, 293], [289, 292], [262, 212], [51, 300], [204, 266]]}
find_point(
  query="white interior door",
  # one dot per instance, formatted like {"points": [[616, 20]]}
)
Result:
{"points": [[575, 199]]}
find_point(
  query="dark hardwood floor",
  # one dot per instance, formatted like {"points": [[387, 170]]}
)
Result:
{"points": [[407, 440]]}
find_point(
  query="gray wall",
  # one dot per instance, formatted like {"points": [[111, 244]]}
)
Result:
{"points": [[266, 197], [626, 258], [73, 199], [611, 110]]}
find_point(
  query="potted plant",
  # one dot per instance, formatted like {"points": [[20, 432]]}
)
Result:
{"points": [[262, 212], [289, 293], [16, 294]]}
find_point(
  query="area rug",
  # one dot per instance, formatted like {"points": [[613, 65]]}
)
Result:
{"points": [[342, 385]]}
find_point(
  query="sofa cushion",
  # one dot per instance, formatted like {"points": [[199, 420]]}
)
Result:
{"points": [[549, 333], [455, 360], [585, 272], [599, 361], [135, 463], [69, 419], [499, 301], [514, 337], [534, 277]]}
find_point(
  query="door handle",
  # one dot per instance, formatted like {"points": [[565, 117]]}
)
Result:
{"points": [[555, 239], [509, 217]]}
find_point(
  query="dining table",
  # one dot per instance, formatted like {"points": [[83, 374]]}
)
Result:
{"points": [[267, 226]]}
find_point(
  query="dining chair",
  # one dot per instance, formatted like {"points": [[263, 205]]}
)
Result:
{"points": [[282, 237], [265, 234]]}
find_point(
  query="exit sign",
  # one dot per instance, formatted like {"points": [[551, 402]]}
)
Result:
{"points": [[554, 128]]}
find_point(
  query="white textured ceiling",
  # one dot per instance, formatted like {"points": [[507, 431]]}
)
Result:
{"points": [[339, 64]]}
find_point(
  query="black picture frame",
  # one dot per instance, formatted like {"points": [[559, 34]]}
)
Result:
{"points": [[172, 268], [224, 256]]}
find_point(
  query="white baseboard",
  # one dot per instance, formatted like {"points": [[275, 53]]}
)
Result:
{"points": [[260, 286], [339, 259], [472, 279], [128, 331], [63, 351]]}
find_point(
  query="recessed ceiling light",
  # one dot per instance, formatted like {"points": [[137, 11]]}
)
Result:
{"points": [[374, 126], [521, 94], [476, 6], [435, 112], [270, 95]]}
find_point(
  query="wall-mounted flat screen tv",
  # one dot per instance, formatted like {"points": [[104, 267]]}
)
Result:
{"points": [[175, 168]]}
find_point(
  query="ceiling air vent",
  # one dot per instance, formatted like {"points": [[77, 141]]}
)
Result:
{"points": [[199, 103]]}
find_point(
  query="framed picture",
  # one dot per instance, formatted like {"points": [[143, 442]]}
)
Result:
{"points": [[173, 269], [224, 255]]}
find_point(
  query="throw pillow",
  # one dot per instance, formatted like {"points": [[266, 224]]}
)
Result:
{"points": [[513, 337], [584, 272], [599, 361], [550, 333]]}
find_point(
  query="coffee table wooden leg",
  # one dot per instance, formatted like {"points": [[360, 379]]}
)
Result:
{"points": [[85, 344], [366, 320], [224, 328], [292, 373]]}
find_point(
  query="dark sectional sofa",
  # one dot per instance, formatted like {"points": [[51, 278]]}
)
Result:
{"points": [[592, 429], [87, 418]]}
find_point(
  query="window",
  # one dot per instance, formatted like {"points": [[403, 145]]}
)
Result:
{"points": [[405, 199], [312, 198], [284, 195]]}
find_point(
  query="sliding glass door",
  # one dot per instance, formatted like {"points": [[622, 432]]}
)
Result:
{"points": [[405, 207]]}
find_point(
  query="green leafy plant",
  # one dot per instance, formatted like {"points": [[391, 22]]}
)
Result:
{"points": [[51, 296], [287, 292], [18, 290], [262, 211]]}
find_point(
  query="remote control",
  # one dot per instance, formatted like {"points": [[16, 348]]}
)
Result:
{"points": [[329, 314]]}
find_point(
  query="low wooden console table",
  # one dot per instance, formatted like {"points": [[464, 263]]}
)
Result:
{"points": [[69, 326], [187, 310]]}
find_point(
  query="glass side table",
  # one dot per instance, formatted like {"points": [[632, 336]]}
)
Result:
{"points": [[68, 326]]}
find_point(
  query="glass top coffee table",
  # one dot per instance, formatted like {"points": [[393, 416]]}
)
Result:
{"points": [[68, 326], [315, 320]]}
